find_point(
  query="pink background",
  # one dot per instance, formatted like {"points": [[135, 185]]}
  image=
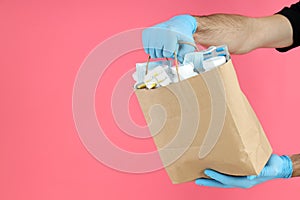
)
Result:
{"points": [[42, 46]]}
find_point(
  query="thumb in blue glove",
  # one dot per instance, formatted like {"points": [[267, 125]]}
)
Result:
{"points": [[163, 39], [276, 167]]}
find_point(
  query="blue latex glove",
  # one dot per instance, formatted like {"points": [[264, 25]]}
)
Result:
{"points": [[277, 167], [161, 40]]}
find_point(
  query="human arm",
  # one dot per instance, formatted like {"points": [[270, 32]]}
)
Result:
{"points": [[296, 165], [276, 167], [243, 34], [163, 39], [240, 33]]}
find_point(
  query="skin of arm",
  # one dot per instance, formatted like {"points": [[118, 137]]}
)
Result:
{"points": [[296, 165], [243, 34]]}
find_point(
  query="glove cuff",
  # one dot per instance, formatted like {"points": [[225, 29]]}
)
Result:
{"points": [[186, 19], [287, 169]]}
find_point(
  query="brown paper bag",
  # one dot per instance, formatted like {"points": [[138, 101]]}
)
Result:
{"points": [[205, 122]]}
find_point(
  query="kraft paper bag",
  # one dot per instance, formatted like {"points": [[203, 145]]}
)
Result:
{"points": [[205, 122]]}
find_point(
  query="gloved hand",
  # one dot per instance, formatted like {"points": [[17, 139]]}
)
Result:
{"points": [[276, 167], [161, 40]]}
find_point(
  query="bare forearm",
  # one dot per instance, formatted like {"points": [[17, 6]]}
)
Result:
{"points": [[296, 164], [243, 34], [218, 29]]}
